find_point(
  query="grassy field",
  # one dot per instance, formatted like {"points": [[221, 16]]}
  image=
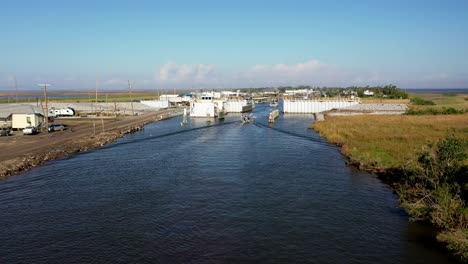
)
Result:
{"points": [[457, 101], [81, 97], [380, 142], [108, 97]]}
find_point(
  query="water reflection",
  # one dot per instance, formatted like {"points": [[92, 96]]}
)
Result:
{"points": [[204, 193]]}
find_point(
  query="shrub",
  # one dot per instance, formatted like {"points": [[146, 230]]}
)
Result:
{"points": [[457, 241], [420, 101], [433, 191], [434, 111]]}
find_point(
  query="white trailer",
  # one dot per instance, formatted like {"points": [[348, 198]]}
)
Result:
{"points": [[62, 112]]}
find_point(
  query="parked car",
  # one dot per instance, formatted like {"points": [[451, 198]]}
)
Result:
{"points": [[56, 127], [29, 130]]}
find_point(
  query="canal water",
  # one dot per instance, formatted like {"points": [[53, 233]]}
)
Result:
{"points": [[209, 193]]}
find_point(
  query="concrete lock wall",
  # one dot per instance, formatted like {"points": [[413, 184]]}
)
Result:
{"points": [[203, 109], [305, 106], [234, 106], [156, 103]]}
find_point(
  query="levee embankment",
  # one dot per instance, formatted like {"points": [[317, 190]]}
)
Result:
{"points": [[20, 153]]}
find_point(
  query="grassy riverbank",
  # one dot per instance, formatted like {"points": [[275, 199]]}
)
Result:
{"points": [[431, 185], [456, 101], [379, 142]]}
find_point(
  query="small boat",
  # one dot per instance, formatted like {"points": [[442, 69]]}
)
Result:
{"points": [[274, 104], [221, 114], [246, 119], [273, 115]]}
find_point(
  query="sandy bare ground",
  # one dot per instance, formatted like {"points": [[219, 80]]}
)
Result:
{"points": [[20, 152], [370, 109]]}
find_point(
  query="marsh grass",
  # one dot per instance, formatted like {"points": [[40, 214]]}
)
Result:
{"points": [[405, 144], [385, 143], [456, 101], [380, 141]]}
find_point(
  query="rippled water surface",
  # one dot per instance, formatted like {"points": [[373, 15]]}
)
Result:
{"points": [[227, 193]]}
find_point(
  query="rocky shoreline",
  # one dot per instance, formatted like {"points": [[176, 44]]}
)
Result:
{"points": [[76, 145], [17, 165]]}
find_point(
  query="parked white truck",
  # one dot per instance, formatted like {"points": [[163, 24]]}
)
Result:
{"points": [[62, 112]]}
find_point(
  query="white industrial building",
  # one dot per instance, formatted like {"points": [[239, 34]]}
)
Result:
{"points": [[19, 116]]}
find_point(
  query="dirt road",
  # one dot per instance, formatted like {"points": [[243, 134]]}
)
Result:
{"points": [[21, 152]]}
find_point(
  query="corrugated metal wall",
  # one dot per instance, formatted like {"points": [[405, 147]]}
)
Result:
{"points": [[156, 103], [203, 109], [307, 106], [234, 106]]}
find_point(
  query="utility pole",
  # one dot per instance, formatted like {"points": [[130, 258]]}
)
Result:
{"points": [[130, 93], [16, 90], [46, 106], [96, 95], [101, 110]]}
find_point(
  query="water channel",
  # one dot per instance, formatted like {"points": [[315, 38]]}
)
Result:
{"points": [[209, 193]]}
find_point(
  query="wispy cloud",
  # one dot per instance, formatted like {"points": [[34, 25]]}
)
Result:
{"points": [[308, 72], [186, 76], [177, 73]]}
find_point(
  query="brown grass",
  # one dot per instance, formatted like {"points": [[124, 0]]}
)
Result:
{"points": [[370, 100], [380, 142], [456, 101]]}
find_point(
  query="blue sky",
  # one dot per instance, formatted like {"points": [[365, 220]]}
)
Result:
{"points": [[221, 44]]}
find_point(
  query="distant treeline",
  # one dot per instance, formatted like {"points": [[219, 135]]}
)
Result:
{"points": [[388, 91]]}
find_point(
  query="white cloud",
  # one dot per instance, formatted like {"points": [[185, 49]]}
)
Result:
{"points": [[311, 72], [186, 76], [282, 72], [175, 73]]}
